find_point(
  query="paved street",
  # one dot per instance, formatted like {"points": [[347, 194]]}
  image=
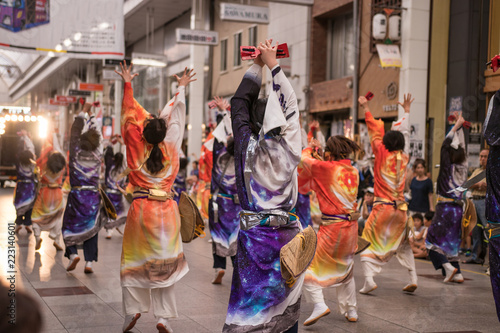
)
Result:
{"points": [[92, 303]]}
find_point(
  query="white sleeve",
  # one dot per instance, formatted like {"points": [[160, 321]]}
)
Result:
{"points": [[174, 114], [403, 126]]}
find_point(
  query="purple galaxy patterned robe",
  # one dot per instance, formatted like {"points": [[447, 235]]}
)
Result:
{"points": [[114, 180], [224, 208], [266, 179], [81, 218], [25, 192], [444, 233]]}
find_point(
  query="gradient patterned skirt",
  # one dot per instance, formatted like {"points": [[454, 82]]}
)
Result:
{"points": [[333, 262], [260, 300], [81, 219], [24, 197], [152, 254], [443, 236], [49, 208], [385, 230], [225, 230], [494, 255]]}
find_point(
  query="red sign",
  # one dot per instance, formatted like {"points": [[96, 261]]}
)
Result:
{"points": [[67, 99], [91, 87], [55, 102]]}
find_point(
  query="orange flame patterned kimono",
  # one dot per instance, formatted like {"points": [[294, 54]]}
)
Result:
{"points": [[336, 186], [385, 227], [152, 254], [49, 208]]}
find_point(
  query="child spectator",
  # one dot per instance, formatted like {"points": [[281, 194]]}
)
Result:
{"points": [[417, 239]]}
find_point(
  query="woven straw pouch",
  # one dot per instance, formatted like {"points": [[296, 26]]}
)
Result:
{"points": [[297, 255], [192, 224]]}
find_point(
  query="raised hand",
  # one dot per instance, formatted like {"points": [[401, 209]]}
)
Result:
{"points": [[268, 53], [126, 73], [407, 102], [87, 108], [186, 77], [221, 103], [363, 101]]}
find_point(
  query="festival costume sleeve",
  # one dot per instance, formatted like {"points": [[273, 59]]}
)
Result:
{"points": [[133, 116], [241, 103], [492, 122], [174, 114], [492, 136], [305, 170], [376, 132]]}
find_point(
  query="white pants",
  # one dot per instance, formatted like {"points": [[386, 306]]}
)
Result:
{"points": [[404, 254], [138, 300], [54, 232], [346, 295]]}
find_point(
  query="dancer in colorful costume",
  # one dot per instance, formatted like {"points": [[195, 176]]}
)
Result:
{"points": [[49, 205], [336, 182], [443, 236], [25, 191], [180, 184], [265, 132], [386, 228], [205, 175], [83, 208], [224, 208], [152, 256], [116, 183], [492, 136]]}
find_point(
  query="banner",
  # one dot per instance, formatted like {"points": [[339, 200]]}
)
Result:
{"points": [[389, 55], [73, 28]]}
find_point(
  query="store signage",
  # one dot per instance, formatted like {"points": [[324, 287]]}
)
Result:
{"points": [[67, 99], [202, 37], [53, 101], [235, 12], [91, 86], [389, 55], [390, 107], [74, 92]]}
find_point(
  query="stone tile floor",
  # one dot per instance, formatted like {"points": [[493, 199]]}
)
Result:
{"points": [[95, 305]]}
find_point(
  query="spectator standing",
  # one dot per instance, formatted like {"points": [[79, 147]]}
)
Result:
{"points": [[421, 189]]}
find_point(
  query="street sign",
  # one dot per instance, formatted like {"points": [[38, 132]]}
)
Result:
{"points": [[67, 99], [91, 86], [74, 92], [115, 62], [202, 37], [52, 101]]}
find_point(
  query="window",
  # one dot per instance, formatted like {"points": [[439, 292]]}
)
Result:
{"points": [[223, 55], [340, 58], [252, 36], [237, 44]]}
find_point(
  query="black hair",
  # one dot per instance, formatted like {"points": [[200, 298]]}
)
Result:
{"points": [[339, 147], [183, 162], [417, 162], [394, 140], [230, 146], [89, 141], [25, 157], [118, 160], [154, 132], [457, 156], [257, 114], [418, 216], [429, 216], [196, 162], [56, 162]]}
